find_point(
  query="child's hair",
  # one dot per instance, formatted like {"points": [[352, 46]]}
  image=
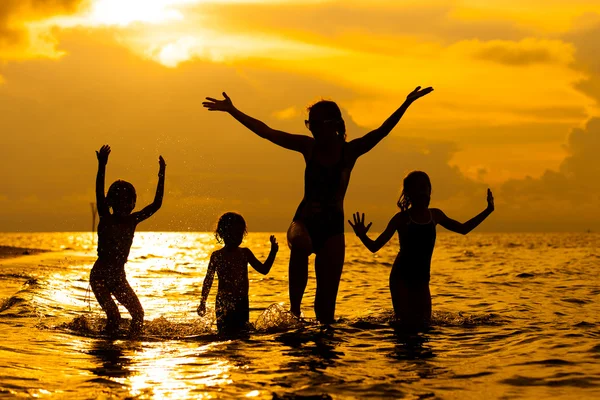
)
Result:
{"points": [[226, 222], [121, 196], [324, 110], [411, 181]]}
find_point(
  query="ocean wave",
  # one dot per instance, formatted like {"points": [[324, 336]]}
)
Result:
{"points": [[20, 304]]}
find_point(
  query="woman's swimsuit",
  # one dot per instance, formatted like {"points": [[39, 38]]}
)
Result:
{"points": [[321, 210], [413, 263]]}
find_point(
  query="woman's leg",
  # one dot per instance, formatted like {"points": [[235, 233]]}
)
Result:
{"points": [[329, 263], [300, 248], [126, 296], [102, 293]]}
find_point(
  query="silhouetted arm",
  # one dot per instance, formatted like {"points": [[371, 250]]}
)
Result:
{"points": [[208, 281], [361, 231], [364, 144], [149, 210], [102, 156], [466, 227], [300, 143], [266, 267]]}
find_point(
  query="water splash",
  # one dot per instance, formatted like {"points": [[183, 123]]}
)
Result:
{"points": [[276, 319]]}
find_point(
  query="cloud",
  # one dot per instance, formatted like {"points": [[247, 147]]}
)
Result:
{"points": [[287, 113], [566, 199], [586, 39], [19, 38], [525, 52], [330, 20], [583, 145]]}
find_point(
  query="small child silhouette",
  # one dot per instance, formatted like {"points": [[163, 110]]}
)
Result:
{"points": [[115, 236], [231, 265]]}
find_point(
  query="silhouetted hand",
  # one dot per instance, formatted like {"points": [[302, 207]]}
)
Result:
{"points": [[359, 224], [162, 165], [102, 154], [201, 309], [274, 244], [418, 93], [490, 200], [219, 105]]}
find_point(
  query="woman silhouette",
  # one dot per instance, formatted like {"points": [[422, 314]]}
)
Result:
{"points": [[318, 225]]}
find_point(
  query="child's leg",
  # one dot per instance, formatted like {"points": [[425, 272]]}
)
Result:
{"points": [[127, 297], [102, 293], [412, 302]]}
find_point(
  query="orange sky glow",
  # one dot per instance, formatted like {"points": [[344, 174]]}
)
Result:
{"points": [[516, 106]]}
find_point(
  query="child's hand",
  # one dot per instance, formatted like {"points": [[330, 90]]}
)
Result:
{"points": [[102, 154], [219, 105], [359, 224], [490, 200], [162, 164], [418, 93], [201, 309], [274, 244]]}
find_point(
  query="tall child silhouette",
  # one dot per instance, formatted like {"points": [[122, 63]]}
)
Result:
{"points": [[415, 224], [318, 225], [115, 236]]}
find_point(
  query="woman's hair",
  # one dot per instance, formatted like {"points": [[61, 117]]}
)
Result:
{"points": [[226, 222], [411, 181], [326, 110], [121, 196]]}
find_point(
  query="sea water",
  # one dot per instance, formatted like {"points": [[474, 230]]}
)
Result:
{"points": [[515, 316]]}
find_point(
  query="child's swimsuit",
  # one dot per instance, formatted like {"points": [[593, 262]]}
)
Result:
{"points": [[115, 236], [233, 314], [413, 262], [321, 210]]}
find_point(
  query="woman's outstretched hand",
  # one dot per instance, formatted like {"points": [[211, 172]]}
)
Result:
{"points": [[490, 200], [219, 105], [418, 93], [359, 224], [102, 154]]}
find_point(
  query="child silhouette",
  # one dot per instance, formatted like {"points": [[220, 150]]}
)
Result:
{"points": [[231, 265], [115, 236], [415, 224]]}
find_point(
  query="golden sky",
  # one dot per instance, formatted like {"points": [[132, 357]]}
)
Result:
{"points": [[515, 106]]}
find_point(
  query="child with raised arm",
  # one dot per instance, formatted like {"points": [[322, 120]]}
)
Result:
{"points": [[415, 224], [231, 265], [115, 236]]}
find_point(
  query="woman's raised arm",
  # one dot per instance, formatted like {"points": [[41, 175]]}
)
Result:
{"points": [[364, 144], [300, 143]]}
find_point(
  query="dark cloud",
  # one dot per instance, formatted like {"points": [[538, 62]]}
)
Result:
{"points": [[566, 199], [586, 39], [583, 162]]}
